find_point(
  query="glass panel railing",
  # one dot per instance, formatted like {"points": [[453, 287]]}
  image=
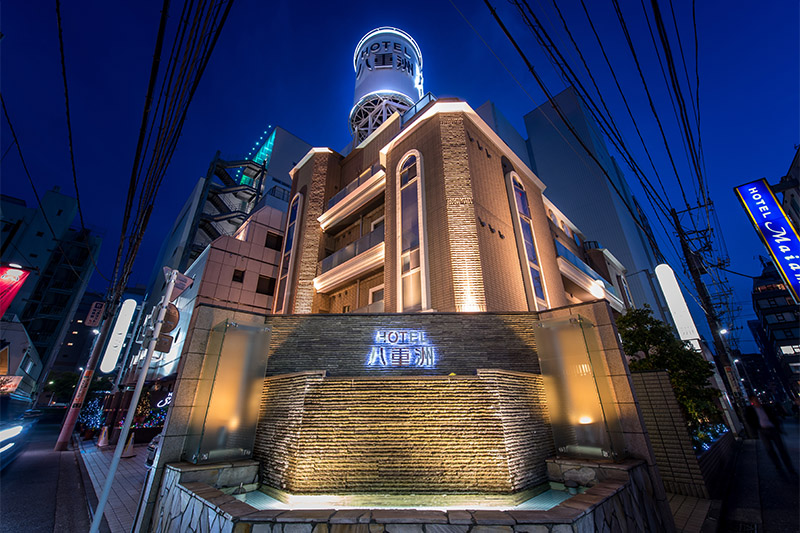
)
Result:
{"points": [[374, 307], [409, 113], [578, 263], [353, 249], [353, 185]]}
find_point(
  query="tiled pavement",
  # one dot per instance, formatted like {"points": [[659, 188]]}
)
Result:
{"points": [[689, 513], [120, 510]]}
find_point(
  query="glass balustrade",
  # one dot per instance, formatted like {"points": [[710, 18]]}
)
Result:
{"points": [[353, 249], [578, 263], [353, 185]]}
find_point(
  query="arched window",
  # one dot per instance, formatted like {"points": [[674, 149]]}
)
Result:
{"points": [[527, 243], [565, 228], [286, 256], [412, 290]]}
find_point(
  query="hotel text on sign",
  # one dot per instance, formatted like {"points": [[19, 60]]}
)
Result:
{"points": [[403, 348], [775, 230]]}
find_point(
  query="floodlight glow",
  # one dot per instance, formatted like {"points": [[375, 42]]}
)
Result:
{"points": [[723, 331], [9, 433], [597, 290], [96, 331], [14, 265], [585, 420], [117, 339], [7, 447]]}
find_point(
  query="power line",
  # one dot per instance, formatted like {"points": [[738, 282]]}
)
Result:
{"points": [[33, 186], [69, 132], [66, 103], [569, 125]]}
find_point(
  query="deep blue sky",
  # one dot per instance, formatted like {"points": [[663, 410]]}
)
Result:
{"points": [[289, 63]]}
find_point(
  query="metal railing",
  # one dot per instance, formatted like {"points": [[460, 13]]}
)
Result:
{"points": [[578, 263], [353, 185], [409, 113], [353, 249]]}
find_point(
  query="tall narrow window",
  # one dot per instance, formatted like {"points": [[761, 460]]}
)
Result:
{"points": [[531, 267], [286, 256], [409, 223]]}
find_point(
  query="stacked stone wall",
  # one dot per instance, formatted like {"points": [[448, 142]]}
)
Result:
{"points": [[486, 433], [340, 344]]}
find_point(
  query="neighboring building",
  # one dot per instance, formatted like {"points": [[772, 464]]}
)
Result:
{"points": [[74, 350], [20, 368], [236, 271], [222, 200], [63, 266], [779, 319], [584, 194]]}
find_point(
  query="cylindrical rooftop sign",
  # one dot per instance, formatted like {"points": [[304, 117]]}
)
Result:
{"points": [[388, 61]]}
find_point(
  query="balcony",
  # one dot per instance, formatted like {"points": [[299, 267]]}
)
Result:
{"points": [[358, 193], [356, 258], [574, 268], [374, 307]]}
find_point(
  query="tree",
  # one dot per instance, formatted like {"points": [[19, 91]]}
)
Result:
{"points": [[651, 345]]}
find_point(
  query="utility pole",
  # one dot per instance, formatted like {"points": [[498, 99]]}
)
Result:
{"points": [[705, 301], [86, 379]]}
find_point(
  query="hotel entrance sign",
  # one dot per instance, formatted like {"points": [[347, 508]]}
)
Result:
{"points": [[775, 229], [401, 348]]}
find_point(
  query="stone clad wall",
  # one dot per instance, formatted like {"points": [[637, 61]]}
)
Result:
{"points": [[682, 471], [485, 433], [192, 502], [340, 344]]}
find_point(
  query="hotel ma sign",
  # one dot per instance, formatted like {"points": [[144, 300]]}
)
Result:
{"points": [[775, 230]]}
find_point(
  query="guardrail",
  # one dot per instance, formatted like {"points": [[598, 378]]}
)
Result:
{"points": [[353, 249], [353, 185], [578, 263]]}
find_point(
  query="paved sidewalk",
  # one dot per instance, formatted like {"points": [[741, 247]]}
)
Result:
{"points": [[688, 512], [120, 510], [762, 497]]}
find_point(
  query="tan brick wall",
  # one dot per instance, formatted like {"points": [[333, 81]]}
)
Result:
{"points": [[502, 272], [315, 180], [428, 141], [465, 258]]}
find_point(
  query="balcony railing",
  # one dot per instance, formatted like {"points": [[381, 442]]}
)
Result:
{"points": [[353, 249], [409, 113], [353, 185], [374, 307], [578, 263]]}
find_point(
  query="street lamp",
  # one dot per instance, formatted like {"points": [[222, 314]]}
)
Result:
{"points": [[96, 331], [723, 331]]}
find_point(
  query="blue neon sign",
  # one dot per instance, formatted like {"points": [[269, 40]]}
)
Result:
{"points": [[775, 230], [401, 348]]}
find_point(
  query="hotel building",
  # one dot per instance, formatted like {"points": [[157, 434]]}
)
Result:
{"points": [[432, 211]]}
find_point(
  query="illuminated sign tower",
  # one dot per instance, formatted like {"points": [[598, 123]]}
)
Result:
{"points": [[388, 66]]}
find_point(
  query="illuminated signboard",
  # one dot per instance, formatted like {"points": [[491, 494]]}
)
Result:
{"points": [[11, 280], [775, 230], [401, 348]]}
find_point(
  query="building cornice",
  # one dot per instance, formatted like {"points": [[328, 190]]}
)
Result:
{"points": [[307, 157], [462, 107]]}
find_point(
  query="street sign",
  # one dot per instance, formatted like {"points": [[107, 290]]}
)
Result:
{"points": [[164, 343], [181, 283], [95, 314], [171, 318]]}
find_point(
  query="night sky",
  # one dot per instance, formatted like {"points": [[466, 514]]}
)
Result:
{"points": [[290, 63]]}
